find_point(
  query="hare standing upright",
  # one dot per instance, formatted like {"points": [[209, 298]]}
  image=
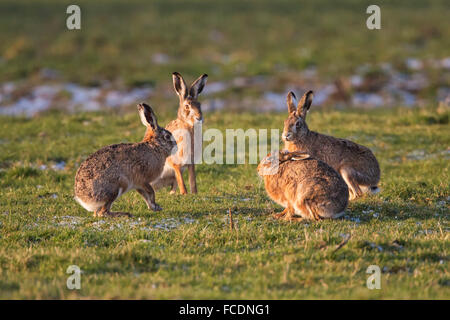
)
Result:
{"points": [[306, 187], [355, 163], [113, 170], [189, 115]]}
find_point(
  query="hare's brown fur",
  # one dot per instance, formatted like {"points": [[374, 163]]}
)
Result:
{"points": [[306, 187], [116, 169], [356, 163], [189, 114]]}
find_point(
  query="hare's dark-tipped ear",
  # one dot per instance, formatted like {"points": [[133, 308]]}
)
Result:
{"points": [[299, 155], [291, 102], [305, 103], [147, 115], [179, 85], [198, 86]]}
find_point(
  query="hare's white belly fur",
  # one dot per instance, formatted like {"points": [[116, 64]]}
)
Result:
{"points": [[168, 171], [167, 177]]}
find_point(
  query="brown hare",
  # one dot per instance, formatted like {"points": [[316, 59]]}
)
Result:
{"points": [[189, 115], [113, 170], [355, 163], [306, 187]]}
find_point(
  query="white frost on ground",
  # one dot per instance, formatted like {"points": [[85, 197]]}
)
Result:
{"points": [[69, 96], [57, 166], [112, 224], [386, 86], [367, 99]]}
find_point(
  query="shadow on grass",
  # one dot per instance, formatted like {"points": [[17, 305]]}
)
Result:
{"points": [[391, 212], [361, 213]]}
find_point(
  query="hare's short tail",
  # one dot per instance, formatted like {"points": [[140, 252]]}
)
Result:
{"points": [[312, 212], [370, 189], [89, 206], [374, 189]]}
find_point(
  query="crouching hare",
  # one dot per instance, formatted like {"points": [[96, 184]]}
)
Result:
{"points": [[189, 116], [355, 163], [306, 187], [113, 170]]}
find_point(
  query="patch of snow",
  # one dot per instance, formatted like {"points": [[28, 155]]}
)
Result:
{"points": [[213, 104], [445, 63], [215, 87], [356, 80], [274, 101], [414, 64], [59, 166], [367, 99], [321, 95], [26, 106]]}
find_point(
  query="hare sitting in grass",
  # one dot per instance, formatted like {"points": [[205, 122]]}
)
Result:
{"points": [[306, 187], [189, 115], [113, 170], [355, 163]]}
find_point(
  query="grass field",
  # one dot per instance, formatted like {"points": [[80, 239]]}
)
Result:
{"points": [[224, 38], [188, 249]]}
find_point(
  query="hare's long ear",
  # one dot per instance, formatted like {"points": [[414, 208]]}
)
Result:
{"points": [[179, 85], [198, 86], [304, 104], [298, 155], [147, 115], [291, 102]]}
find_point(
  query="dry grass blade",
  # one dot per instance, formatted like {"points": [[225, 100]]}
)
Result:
{"points": [[231, 220], [343, 242]]}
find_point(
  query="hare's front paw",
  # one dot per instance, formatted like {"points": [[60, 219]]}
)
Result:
{"points": [[155, 207]]}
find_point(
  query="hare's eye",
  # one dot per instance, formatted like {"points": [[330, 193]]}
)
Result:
{"points": [[167, 137], [297, 124], [186, 106]]}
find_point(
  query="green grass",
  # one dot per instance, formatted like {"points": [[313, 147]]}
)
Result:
{"points": [[404, 229], [224, 38]]}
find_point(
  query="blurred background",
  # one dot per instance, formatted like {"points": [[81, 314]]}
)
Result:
{"points": [[254, 52]]}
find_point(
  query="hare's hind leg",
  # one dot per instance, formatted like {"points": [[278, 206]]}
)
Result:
{"points": [[312, 213], [148, 194], [280, 214], [180, 181], [290, 215], [104, 211], [304, 208], [173, 186], [350, 179], [192, 178]]}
